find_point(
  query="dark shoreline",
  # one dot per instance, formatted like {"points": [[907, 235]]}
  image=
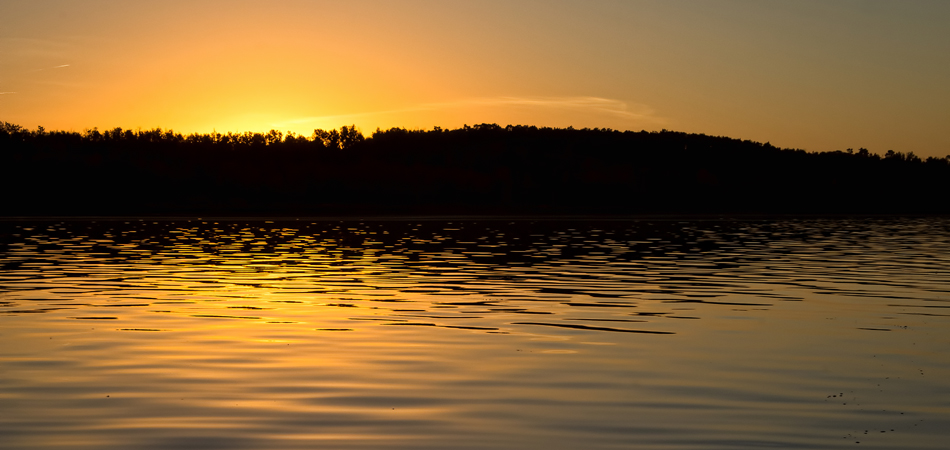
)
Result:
{"points": [[480, 171]]}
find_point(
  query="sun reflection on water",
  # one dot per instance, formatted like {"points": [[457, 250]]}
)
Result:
{"points": [[474, 334]]}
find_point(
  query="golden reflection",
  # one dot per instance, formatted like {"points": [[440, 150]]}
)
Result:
{"points": [[332, 329]]}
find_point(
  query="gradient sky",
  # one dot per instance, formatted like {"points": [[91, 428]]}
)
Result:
{"points": [[818, 75]]}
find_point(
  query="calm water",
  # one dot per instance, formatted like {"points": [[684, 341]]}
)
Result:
{"points": [[475, 334]]}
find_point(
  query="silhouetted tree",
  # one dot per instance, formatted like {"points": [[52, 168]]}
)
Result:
{"points": [[482, 168], [349, 136]]}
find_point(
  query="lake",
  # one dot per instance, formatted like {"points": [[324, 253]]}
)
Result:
{"points": [[475, 333]]}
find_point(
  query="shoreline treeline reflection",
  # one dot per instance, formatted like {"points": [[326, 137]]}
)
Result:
{"points": [[482, 169]]}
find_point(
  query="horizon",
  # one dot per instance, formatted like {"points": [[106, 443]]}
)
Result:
{"points": [[804, 75], [313, 136]]}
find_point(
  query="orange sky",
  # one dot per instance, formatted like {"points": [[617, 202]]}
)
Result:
{"points": [[814, 75]]}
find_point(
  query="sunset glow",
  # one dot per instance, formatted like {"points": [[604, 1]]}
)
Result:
{"points": [[479, 224], [813, 75]]}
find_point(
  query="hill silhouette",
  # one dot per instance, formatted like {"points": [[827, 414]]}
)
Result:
{"points": [[481, 169]]}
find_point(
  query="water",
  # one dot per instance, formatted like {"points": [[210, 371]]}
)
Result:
{"points": [[475, 334]]}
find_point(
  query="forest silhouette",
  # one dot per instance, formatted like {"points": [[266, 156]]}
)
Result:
{"points": [[481, 169]]}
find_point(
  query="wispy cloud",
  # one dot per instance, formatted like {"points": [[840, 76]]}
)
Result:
{"points": [[591, 106], [50, 68], [616, 108], [32, 77]]}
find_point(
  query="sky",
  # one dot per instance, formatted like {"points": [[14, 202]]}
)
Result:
{"points": [[816, 75]]}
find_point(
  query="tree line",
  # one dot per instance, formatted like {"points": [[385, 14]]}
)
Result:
{"points": [[480, 169]]}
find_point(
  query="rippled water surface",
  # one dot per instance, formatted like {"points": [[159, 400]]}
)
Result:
{"points": [[481, 334]]}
